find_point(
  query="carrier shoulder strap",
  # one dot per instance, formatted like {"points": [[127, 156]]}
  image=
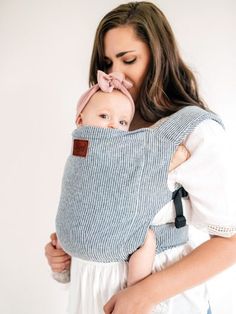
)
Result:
{"points": [[177, 126]]}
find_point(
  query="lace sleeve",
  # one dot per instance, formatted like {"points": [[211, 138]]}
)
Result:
{"points": [[224, 231]]}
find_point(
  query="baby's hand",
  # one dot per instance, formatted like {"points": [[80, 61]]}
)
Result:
{"points": [[180, 156]]}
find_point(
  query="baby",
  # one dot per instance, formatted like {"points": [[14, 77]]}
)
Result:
{"points": [[109, 105]]}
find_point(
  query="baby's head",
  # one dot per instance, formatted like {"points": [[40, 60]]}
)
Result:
{"points": [[107, 110], [107, 104]]}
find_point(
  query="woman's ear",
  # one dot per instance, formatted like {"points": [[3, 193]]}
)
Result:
{"points": [[79, 120]]}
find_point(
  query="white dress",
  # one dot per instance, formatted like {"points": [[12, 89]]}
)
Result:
{"points": [[204, 176]]}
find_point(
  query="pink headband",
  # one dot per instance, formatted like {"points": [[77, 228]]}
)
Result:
{"points": [[106, 83]]}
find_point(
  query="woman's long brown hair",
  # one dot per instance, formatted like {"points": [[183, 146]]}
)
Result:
{"points": [[170, 85]]}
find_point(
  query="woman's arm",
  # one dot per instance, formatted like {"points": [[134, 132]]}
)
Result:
{"points": [[205, 261]]}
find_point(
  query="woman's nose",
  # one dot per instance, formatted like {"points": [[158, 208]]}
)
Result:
{"points": [[116, 68]]}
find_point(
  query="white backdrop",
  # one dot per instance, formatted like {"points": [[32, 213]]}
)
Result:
{"points": [[45, 48]]}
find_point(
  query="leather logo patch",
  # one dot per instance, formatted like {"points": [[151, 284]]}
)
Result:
{"points": [[80, 148]]}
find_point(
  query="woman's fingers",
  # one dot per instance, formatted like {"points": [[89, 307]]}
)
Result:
{"points": [[61, 266], [109, 306], [55, 254], [50, 250], [57, 258], [53, 238], [132, 300]]}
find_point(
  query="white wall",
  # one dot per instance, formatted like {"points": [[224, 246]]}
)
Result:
{"points": [[45, 48]]}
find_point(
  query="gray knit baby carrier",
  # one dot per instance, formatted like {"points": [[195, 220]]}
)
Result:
{"points": [[114, 184]]}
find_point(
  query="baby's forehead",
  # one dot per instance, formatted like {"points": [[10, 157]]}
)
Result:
{"points": [[103, 95], [100, 97], [116, 102]]}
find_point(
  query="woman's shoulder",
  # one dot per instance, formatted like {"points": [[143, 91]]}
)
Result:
{"points": [[206, 132]]}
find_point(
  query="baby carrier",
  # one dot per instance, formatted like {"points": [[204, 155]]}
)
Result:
{"points": [[114, 184]]}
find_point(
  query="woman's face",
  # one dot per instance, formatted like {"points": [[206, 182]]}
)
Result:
{"points": [[126, 53]]}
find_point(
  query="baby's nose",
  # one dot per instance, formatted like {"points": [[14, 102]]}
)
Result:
{"points": [[111, 126]]}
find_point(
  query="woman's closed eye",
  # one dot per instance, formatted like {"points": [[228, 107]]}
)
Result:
{"points": [[129, 61], [108, 63]]}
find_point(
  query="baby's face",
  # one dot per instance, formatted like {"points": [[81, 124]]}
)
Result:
{"points": [[107, 110]]}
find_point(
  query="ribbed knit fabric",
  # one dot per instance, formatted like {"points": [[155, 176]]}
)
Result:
{"points": [[110, 197]]}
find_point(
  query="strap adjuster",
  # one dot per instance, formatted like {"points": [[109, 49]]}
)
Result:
{"points": [[180, 220]]}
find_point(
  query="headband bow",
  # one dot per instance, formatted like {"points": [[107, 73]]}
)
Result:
{"points": [[107, 82]]}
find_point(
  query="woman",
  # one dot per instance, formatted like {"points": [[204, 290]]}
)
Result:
{"points": [[136, 39]]}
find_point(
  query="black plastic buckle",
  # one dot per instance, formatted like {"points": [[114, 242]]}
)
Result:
{"points": [[180, 221]]}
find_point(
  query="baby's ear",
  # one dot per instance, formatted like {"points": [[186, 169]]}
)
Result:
{"points": [[79, 120]]}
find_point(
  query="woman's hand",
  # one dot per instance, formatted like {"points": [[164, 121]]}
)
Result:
{"points": [[132, 300], [58, 260]]}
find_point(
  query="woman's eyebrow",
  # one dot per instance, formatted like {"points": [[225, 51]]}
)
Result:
{"points": [[121, 54]]}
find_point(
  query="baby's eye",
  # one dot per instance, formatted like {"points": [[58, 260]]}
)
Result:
{"points": [[123, 122], [104, 116]]}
